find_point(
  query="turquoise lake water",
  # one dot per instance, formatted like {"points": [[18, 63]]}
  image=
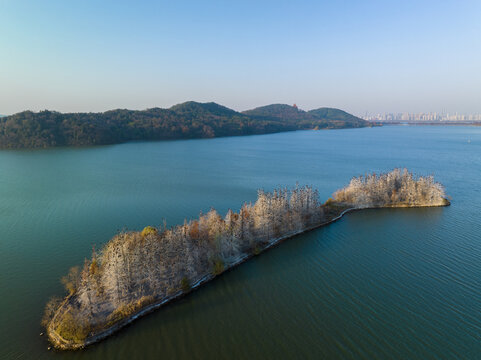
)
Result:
{"points": [[378, 284]]}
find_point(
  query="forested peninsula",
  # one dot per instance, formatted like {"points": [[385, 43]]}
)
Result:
{"points": [[188, 120], [137, 272]]}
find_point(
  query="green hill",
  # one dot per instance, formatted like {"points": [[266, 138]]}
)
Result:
{"points": [[278, 112], [336, 115], [321, 118], [183, 121], [192, 108]]}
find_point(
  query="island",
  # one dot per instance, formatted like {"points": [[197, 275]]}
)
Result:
{"points": [[189, 120], [139, 271]]}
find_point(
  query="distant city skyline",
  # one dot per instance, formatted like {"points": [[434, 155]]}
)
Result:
{"points": [[372, 56], [423, 116]]}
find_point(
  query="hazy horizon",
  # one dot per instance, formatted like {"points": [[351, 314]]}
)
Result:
{"points": [[370, 57]]}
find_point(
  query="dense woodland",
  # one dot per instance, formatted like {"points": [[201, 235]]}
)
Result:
{"points": [[136, 269], [184, 121], [331, 118]]}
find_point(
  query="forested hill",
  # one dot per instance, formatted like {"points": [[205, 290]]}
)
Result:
{"points": [[184, 121], [322, 117]]}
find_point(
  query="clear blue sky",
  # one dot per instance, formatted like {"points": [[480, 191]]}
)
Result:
{"points": [[375, 56]]}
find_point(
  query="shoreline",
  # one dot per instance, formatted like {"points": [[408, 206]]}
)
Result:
{"points": [[60, 343]]}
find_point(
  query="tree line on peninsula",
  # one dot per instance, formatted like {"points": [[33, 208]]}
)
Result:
{"points": [[184, 121], [396, 188], [138, 268]]}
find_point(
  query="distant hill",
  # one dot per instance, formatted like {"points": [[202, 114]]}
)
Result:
{"points": [[320, 118], [192, 108], [278, 112], [183, 121], [338, 118]]}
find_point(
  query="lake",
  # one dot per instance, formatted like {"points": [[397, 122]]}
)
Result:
{"points": [[391, 283]]}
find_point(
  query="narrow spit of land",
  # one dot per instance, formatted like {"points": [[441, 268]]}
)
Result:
{"points": [[137, 272]]}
